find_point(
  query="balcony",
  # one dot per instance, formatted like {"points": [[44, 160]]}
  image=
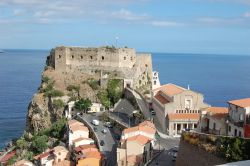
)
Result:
{"points": [[236, 123]]}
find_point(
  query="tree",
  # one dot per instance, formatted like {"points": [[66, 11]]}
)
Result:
{"points": [[83, 104], [73, 89], [58, 129], [114, 90], [103, 97], [58, 103], [21, 143], [12, 160], [39, 143]]}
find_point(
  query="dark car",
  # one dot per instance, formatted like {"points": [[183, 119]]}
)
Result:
{"points": [[95, 129], [102, 143]]}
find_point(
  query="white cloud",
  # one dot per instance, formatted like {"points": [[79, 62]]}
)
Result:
{"points": [[124, 14], [166, 23]]}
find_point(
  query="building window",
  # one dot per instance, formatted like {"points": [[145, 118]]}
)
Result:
{"points": [[59, 56], [239, 133], [131, 58], [146, 65], [214, 127], [72, 56], [241, 117], [229, 128], [81, 57], [124, 58], [102, 57], [91, 57], [154, 82], [188, 103]]}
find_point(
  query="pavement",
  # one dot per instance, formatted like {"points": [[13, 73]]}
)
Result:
{"points": [[143, 105], [109, 148]]}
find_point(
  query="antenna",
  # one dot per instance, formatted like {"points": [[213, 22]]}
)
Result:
{"points": [[116, 41]]}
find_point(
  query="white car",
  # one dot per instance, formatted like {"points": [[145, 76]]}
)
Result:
{"points": [[95, 122], [104, 131]]}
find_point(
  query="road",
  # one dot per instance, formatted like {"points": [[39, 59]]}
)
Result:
{"points": [[109, 148], [142, 104], [164, 158]]}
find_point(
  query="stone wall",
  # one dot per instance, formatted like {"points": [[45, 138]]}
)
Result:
{"points": [[104, 56], [191, 155]]}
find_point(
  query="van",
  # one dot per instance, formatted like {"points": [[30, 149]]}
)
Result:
{"points": [[95, 122]]}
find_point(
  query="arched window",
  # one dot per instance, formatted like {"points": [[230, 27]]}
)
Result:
{"points": [[102, 57], [72, 56]]}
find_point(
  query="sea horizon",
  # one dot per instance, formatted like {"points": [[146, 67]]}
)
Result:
{"points": [[216, 77]]}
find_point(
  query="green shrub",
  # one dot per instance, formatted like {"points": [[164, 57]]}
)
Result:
{"points": [[39, 144], [21, 143], [58, 103], [83, 104], [45, 79], [54, 93], [115, 90], [103, 97], [94, 84], [12, 160], [58, 129], [73, 88]]}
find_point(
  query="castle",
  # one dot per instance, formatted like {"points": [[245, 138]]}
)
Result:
{"points": [[124, 63]]}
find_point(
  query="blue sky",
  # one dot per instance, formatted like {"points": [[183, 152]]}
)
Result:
{"points": [[179, 26]]}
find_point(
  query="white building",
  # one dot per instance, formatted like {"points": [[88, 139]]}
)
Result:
{"points": [[239, 118], [155, 80], [76, 130], [177, 108], [69, 109], [96, 107], [82, 141], [213, 120]]}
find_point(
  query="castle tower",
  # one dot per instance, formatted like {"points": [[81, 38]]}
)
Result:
{"points": [[155, 80]]}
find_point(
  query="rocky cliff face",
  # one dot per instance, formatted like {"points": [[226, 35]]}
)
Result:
{"points": [[41, 111]]}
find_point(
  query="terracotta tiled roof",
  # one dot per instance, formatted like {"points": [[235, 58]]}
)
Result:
{"points": [[82, 147], [81, 139], [217, 109], [145, 126], [187, 116], [93, 154], [7, 156], [43, 155], [161, 98], [241, 102], [217, 112], [79, 128], [139, 139], [170, 89]]}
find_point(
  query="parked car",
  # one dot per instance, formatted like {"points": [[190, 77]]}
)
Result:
{"points": [[95, 129], [104, 131], [108, 124], [175, 152], [102, 143], [95, 122], [153, 113]]}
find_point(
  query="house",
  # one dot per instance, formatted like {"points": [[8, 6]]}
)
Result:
{"points": [[76, 130], [213, 120], [23, 163], [96, 107], [177, 108], [52, 156], [239, 118], [136, 143], [88, 155], [4, 160], [82, 141]]}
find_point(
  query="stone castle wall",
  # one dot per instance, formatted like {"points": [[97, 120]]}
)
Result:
{"points": [[64, 57]]}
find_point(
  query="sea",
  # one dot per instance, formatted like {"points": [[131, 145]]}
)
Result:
{"points": [[219, 78]]}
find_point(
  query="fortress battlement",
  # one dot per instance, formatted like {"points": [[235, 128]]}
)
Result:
{"points": [[62, 56]]}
